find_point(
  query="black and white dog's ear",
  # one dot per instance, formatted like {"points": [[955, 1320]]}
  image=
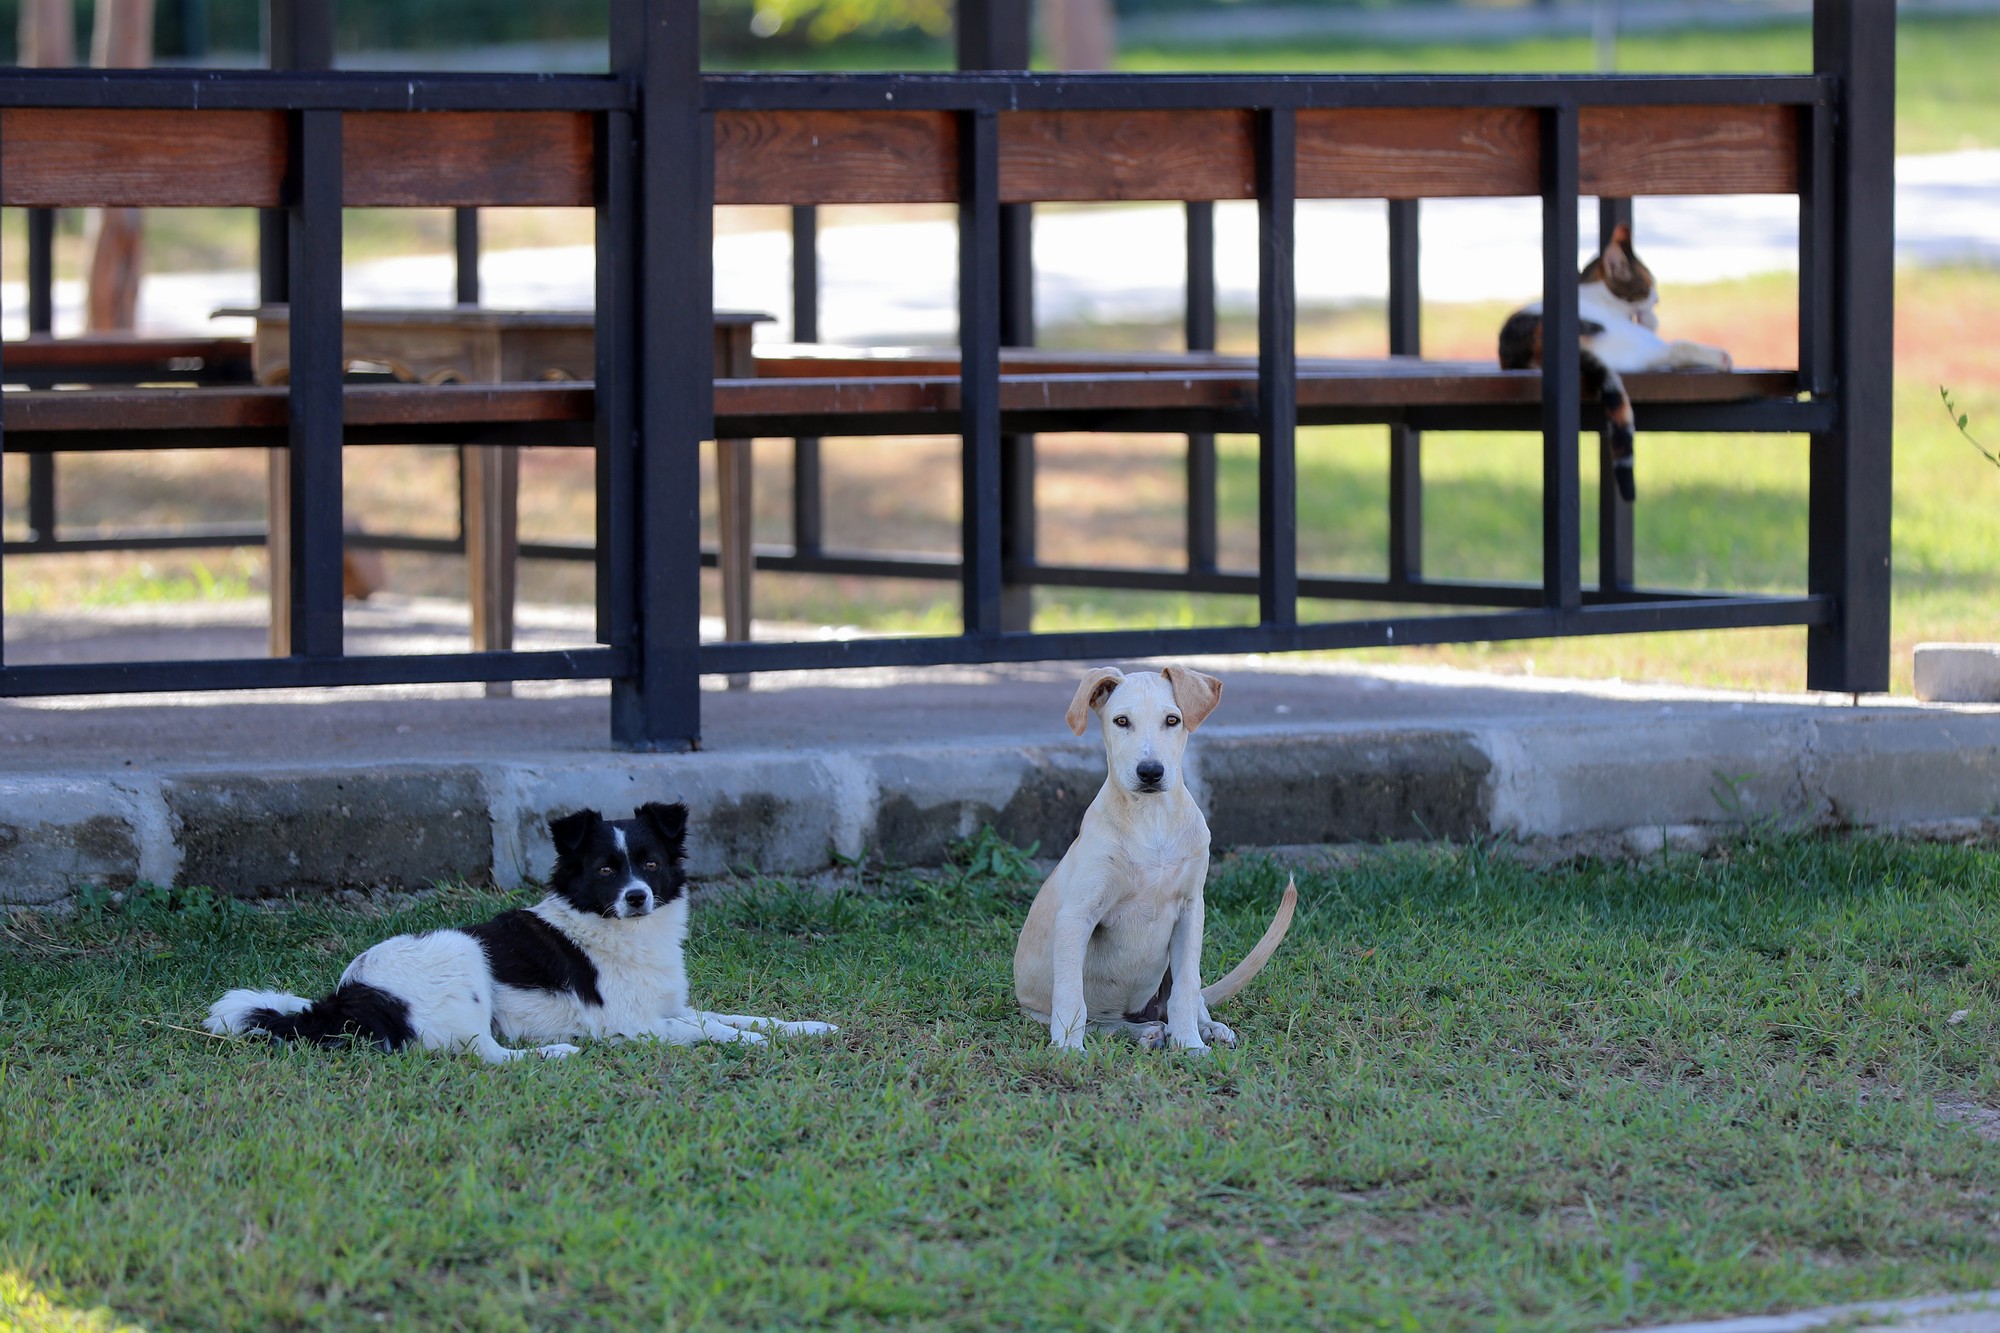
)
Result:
{"points": [[571, 831], [668, 822]]}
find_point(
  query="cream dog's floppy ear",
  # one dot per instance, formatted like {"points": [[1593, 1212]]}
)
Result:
{"points": [[1195, 695], [1097, 682]]}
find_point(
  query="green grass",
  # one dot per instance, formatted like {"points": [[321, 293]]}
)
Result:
{"points": [[1470, 1095], [1945, 95]]}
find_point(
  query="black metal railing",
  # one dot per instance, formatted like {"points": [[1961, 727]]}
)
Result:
{"points": [[654, 395]]}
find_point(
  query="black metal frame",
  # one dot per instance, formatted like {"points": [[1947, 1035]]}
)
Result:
{"points": [[654, 306]]}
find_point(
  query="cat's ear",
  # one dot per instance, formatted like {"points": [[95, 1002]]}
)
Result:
{"points": [[1617, 258]]}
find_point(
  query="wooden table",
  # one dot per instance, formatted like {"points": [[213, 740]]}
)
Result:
{"points": [[475, 345]]}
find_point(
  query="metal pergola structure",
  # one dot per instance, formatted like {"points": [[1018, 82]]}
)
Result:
{"points": [[653, 402]]}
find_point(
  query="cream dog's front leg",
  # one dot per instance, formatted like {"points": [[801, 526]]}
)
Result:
{"points": [[1068, 1014], [1184, 1007]]}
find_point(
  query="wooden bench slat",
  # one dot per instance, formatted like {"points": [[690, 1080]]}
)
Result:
{"points": [[1321, 384], [468, 159], [115, 351], [123, 158], [1425, 153], [98, 158], [1660, 150], [835, 157]]}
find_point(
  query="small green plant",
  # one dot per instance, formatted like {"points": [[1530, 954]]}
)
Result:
{"points": [[987, 855], [156, 903], [1960, 420]]}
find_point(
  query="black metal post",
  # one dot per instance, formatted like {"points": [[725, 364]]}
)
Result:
{"points": [[298, 34], [616, 434], [41, 323], [808, 486], [1406, 444], [465, 253], [41, 271], [1202, 534], [1277, 371], [1855, 40], [994, 35], [1562, 370], [979, 366], [1614, 512], [314, 473], [657, 44], [1819, 215]]}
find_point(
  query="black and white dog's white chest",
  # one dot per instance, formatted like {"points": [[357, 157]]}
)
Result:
{"points": [[558, 972]]}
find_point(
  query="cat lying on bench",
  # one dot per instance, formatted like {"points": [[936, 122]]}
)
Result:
{"points": [[1615, 299]]}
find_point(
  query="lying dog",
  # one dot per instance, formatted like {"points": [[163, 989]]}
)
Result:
{"points": [[1113, 941], [599, 957]]}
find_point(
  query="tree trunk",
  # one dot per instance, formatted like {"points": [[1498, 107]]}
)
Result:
{"points": [[1078, 34], [121, 38], [48, 34]]}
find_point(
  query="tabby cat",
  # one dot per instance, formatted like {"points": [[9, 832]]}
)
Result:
{"points": [[1615, 300]]}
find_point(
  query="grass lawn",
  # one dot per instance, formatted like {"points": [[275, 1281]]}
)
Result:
{"points": [[1470, 1095]]}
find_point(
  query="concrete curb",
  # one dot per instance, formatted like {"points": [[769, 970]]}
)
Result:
{"points": [[1629, 784]]}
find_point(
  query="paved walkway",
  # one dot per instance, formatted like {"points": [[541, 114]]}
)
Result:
{"points": [[296, 790], [1976, 1312]]}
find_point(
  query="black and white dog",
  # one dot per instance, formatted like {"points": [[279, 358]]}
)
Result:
{"points": [[599, 957]]}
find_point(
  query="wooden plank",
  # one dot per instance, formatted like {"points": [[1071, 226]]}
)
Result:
{"points": [[835, 157], [1418, 153], [115, 352], [1321, 384], [1640, 150], [1107, 155], [467, 159], [94, 158]]}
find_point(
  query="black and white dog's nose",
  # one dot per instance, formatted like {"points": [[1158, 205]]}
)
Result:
{"points": [[1151, 771], [635, 898]]}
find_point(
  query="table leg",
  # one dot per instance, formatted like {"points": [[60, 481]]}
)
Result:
{"points": [[736, 557], [492, 543], [278, 548]]}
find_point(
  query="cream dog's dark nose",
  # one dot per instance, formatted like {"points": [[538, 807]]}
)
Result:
{"points": [[1151, 771]]}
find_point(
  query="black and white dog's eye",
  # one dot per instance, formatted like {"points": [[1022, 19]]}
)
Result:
{"points": [[604, 870], [650, 865], [1173, 721], [1122, 721]]}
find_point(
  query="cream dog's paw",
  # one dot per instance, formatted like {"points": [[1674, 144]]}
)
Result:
{"points": [[558, 1050], [1216, 1034], [1149, 1036]]}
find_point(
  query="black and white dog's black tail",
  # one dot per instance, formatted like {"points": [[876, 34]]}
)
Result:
{"points": [[353, 1010]]}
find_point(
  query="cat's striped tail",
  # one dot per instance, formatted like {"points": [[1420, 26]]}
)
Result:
{"points": [[1619, 425]]}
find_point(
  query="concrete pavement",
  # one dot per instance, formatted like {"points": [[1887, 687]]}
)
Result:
{"points": [[274, 791]]}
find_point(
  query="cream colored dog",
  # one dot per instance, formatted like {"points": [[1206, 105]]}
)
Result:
{"points": [[1113, 941]]}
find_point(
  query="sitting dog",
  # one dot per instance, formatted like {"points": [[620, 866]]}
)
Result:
{"points": [[599, 957], [1113, 941]]}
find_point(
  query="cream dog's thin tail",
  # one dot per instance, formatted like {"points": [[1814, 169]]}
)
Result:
{"points": [[1274, 935]]}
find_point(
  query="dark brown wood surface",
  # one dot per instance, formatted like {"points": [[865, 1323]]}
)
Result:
{"points": [[1424, 153], [1321, 384], [1634, 150], [128, 159], [835, 157], [115, 352], [1107, 155], [117, 158], [467, 159]]}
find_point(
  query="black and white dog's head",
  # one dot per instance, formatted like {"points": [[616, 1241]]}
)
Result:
{"points": [[620, 867]]}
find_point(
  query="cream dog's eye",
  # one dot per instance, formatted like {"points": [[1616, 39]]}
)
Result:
{"points": [[1173, 721], [1121, 720]]}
